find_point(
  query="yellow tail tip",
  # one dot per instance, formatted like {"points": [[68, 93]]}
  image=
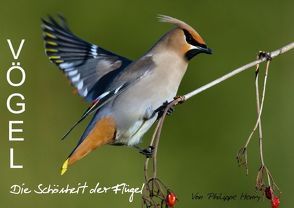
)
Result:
{"points": [[64, 167]]}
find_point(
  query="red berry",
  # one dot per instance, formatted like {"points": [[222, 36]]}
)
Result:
{"points": [[171, 199], [275, 202], [268, 192]]}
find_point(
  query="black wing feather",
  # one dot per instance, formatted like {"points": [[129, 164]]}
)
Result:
{"points": [[99, 75], [82, 62]]}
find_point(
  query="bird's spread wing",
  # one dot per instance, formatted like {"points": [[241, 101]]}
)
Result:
{"points": [[123, 80], [97, 74], [90, 138], [89, 67]]}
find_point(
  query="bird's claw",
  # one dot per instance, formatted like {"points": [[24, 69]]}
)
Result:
{"points": [[162, 108], [170, 111], [148, 152], [181, 98], [263, 54]]}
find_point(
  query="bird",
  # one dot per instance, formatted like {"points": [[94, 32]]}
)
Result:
{"points": [[124, 96]]}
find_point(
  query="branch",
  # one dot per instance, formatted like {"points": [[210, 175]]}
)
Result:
{"points": [[271, 55], [155, 192]]}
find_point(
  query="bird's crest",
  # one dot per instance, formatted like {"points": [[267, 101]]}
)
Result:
{"points": [[182, 25]]}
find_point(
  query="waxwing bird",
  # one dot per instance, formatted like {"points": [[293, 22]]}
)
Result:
{"points": [[124, 95]]}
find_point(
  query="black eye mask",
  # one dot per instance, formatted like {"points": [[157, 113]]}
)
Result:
{"points": [[191, 40]]}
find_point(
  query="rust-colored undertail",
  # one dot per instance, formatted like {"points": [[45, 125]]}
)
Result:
{"points": [[102, 133]]}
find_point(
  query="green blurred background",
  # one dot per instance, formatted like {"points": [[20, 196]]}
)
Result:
{"points": [[199, 142]]}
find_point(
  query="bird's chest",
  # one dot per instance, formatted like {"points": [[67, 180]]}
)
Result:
{"points": [[134, 108], [146, 95]]}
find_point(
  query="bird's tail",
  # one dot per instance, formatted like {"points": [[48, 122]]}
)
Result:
{"points": [[102, 133]]}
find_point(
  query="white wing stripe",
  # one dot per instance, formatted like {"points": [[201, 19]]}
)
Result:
{"points": [[72, 73], [85, 92], [80, 85], [66, 65], [94, 51], [117, 89], [103, 95], [76, 78]]}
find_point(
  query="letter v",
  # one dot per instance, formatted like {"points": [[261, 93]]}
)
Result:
{"points": [[15, 55]]}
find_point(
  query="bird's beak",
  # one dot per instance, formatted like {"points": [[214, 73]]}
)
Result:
{"points": [[205, 50], [201, 49], [194, 50]]}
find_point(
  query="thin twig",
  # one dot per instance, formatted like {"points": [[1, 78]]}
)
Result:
{"points": [[263, 169], [260, 137], [160, 125], [258, 107], [148, 200], [272, 54], [259, 112], [153, 185], [243, 151]]}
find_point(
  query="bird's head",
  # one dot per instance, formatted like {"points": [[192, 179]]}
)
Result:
{"points": [[184, 40]]}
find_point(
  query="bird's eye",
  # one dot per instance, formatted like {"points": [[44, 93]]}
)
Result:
{"points": [[189, 38]]}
